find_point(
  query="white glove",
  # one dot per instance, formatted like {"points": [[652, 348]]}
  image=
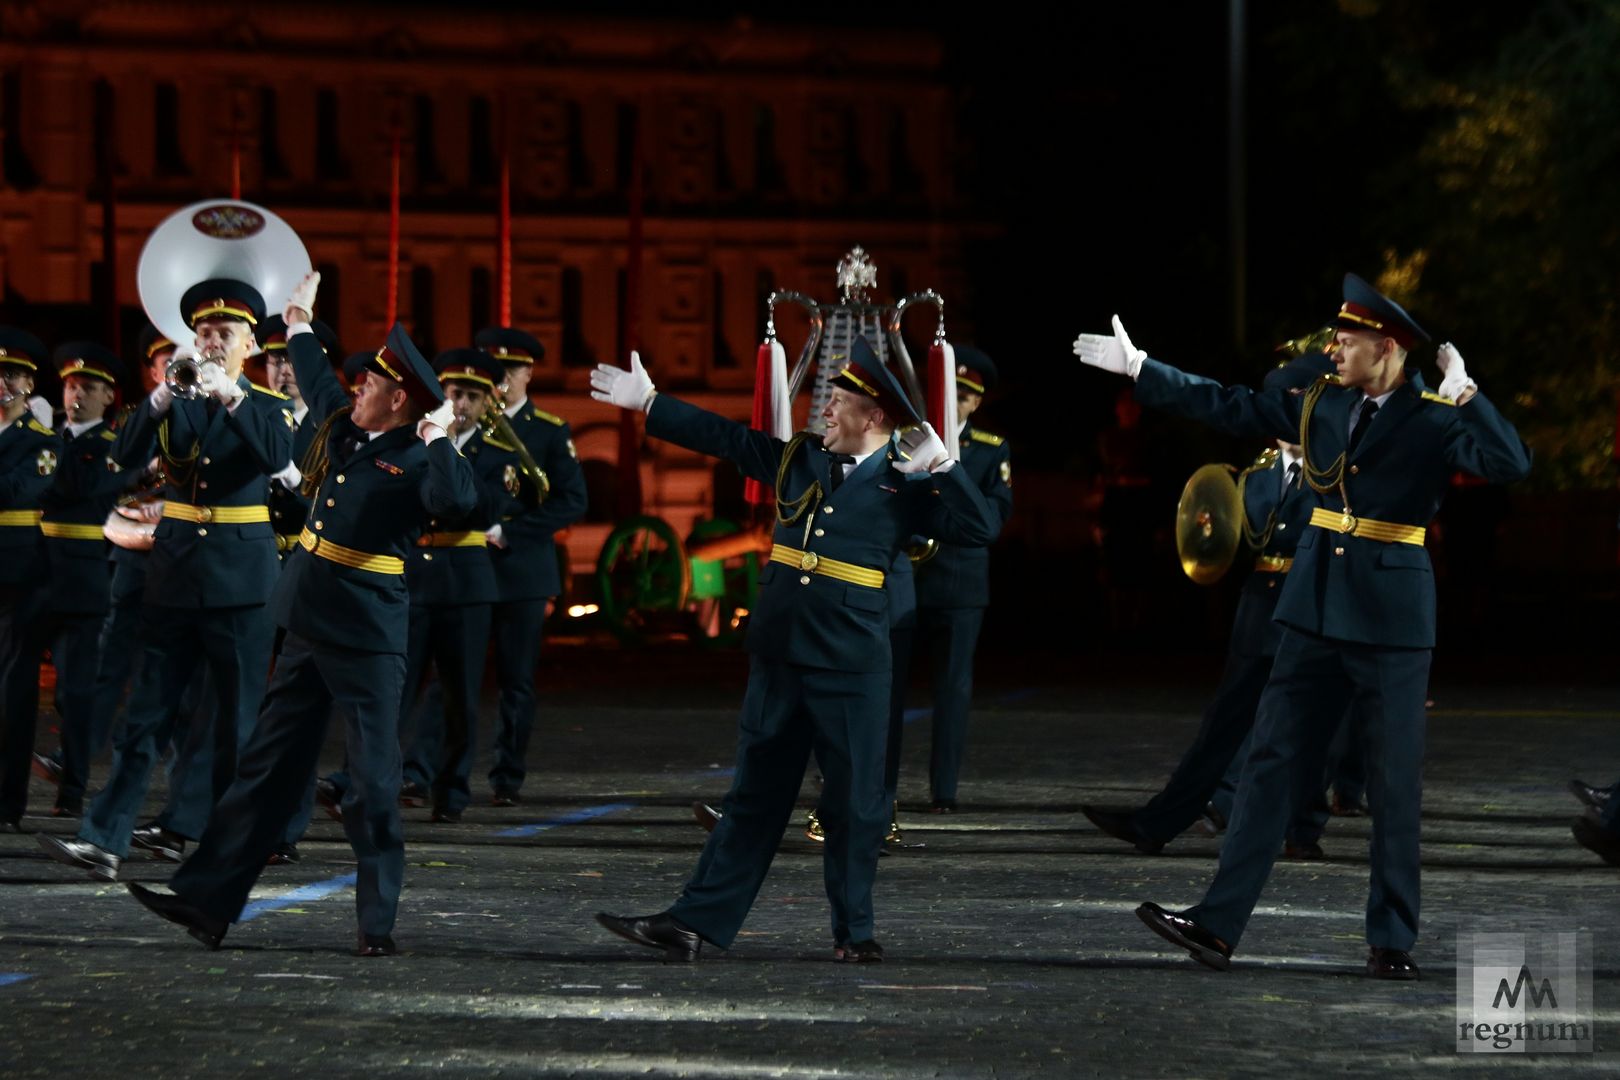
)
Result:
{"points": [[160, 399], [41, 410], [212, 380], [920, 450], [1110, 352], [432, 427], [289, 476], [1456, 382], [301, 304], [495, 536], [631, 389]]}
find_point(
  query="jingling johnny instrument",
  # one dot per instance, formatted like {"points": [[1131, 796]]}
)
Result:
{"points": [[833, 328], [218, 238], [1209, 524]]}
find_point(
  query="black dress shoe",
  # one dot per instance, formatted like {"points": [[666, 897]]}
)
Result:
{"points": [[1304, 850], [1117, 823], [447, 817], [102, 865], [68, 808], [204, 928], [943, 806], [1213, 815], [11, 827], [1595, 797], [413, 794], [504, 797], [1591, 834], [284, 855], [1342, 807], [1204, 946], [329, 798], [375, 946], [162, 843], [706, 816], [660, 931], [47, 768], [858, 952], [1391, 964]]}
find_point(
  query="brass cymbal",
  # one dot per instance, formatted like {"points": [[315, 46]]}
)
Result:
{"points": [[1209, 524]]}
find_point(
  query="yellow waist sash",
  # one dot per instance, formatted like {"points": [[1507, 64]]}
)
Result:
{"points": [[343, 556], [1367, 528], [62, 530], [475, 538], [225, 515], [26, 519], [811, 563]]}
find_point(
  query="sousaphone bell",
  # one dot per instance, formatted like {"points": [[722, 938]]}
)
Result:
{"points": [[1209, 524]]}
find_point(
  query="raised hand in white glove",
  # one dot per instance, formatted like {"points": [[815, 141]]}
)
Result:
{"points": [[495, 536], [289, 477], [631, 389], [1455, 384], [301, 304], [1111, 352], [160, 399], [920, 450], [212, 380], [432, 427], [42, 410]]}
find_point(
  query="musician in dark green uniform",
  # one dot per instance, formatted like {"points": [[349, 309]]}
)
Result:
{"points": [[452, 587], [525, 556], [953, 585], [1357, 608], [212, 565], [342, 602], [819, 677], [29, 453]]}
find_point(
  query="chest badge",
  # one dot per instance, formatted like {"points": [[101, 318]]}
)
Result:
{"points": [[388, 467], [46, 462]]}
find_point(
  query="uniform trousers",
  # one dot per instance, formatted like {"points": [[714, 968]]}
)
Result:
{"points": [[1312, 680], [949, 637], [235, 644], [517, 627], [277, 764], [788, 711], [439, 753]]}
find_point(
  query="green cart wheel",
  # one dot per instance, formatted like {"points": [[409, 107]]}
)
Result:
{"points": [[642, 579], [723, 589]]}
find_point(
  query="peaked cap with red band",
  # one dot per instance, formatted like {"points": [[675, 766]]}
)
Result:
{"points": [[864, 373], [1368, 310], [222, 298], [402, 362], [473, 366]]}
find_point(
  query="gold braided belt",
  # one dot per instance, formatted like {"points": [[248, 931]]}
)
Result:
{"points": [[358, 560], [811, 563], [62, 530], [475, 538], [1384, 531], [25, 519], [1273, 564], [224, 515]]}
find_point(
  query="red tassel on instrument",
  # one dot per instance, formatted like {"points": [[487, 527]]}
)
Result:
{"points": [[754, 492]]}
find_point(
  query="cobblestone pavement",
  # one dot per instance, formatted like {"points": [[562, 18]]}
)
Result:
{"points": [[1012, 948]]}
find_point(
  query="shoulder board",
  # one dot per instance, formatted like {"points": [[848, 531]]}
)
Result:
{"points": [[266, 390], [35, 425], [110, 436], [1266, 460], [1430, 395], [985, 437], [499, 444], [549, 418]]}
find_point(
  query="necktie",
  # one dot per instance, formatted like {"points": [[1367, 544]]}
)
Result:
{"points": [[346, 446], [836, 475], [1363, 422], [1292, 478]]}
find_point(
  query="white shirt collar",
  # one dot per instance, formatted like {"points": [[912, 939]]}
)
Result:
{"points": [[513, 409], [459, 441], [299, 412], [75, 430]]}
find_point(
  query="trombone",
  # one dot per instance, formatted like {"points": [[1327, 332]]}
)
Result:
{"points": [[497, 427]]}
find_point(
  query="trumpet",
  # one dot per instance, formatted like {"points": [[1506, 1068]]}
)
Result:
{"points": [[184, 373]]}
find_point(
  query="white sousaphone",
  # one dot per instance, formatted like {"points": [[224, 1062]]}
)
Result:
{"points": [[216, 238]]}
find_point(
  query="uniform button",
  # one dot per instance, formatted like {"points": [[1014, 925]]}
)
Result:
{"points": [[318, 525], [1338, 551], [1282, 524], [821, 532], [427, 556], [202, 483], [805, 580], [1355, 469], [333, 502], [276, 514], [826, 509], [202, 532], [340, 478], [207, 461], [1271, 584]]}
